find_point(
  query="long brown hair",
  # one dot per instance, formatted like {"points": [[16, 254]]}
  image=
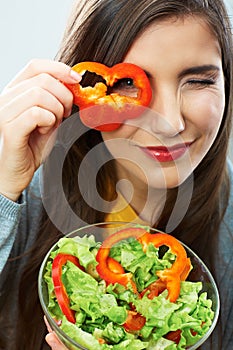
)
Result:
{"points": [[103, 31]]}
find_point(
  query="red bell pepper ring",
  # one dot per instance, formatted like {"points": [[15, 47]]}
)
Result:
{"points": [[180, 268], [102, 257], [114, 265], [112, 272], [102, 109], [109, 275], [59, 288], [170, 277], [187, 269]]}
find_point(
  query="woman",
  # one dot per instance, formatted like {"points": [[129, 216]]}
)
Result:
{"points": [[186, 49]]}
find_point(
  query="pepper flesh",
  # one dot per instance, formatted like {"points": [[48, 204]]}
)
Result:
{"points": [[103, 254], [180, 268], [59, 288], [115, 266], [107, 111]]}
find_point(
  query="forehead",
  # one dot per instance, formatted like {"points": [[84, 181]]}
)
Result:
{"points": [[176, 38]]}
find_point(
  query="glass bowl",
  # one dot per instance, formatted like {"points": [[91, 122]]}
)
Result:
{"points": [[100, 231]]}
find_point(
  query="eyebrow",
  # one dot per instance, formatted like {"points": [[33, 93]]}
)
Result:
{"points": [[199, 70]]}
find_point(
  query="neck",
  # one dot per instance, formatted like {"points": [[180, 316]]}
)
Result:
{"points": [[146, 201]]}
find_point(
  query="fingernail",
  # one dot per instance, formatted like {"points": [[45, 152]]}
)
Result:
{"points": [[68, 113], [75, 76]]}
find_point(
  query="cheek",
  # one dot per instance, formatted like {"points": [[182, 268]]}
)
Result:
{"points": [[205, 112], [125, 132]]}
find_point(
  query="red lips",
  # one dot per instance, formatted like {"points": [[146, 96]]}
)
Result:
{"points": [[166, 154]]}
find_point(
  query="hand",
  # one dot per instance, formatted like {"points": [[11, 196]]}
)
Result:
{"points": [[52, 339], [54, 342], [31, 108]]}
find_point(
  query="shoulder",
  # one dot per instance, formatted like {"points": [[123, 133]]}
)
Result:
{"points": [[229, 211], [226, 227], [228, 216], [223, 266], [225, 247], [230, 171]]}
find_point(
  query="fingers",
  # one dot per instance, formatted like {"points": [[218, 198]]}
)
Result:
{"points": [[45, 82], [52, 339], [38, 84], [27, 122], [54, 342], [36, 97], [35, 67]]}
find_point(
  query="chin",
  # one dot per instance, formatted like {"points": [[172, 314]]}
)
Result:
{"points": [[169, 178]]}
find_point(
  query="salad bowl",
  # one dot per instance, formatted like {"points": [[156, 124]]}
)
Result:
{"points": [[94, 318]]}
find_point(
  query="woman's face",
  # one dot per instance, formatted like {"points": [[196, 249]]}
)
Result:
{"points": [[162, 147]]}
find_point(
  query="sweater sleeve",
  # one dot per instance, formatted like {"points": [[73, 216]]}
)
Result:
{"points": [[10, 213], [19, 220]]}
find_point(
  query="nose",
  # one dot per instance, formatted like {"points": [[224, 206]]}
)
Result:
{"points": [[166, 111]]}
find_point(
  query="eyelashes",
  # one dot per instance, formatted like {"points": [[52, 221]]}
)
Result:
{"points": [[201, 82], [125, 87]]}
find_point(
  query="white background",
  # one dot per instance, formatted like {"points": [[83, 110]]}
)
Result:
{"points": [[30, 29]]}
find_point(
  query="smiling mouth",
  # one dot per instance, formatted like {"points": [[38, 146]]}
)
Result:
{"points": [[166, 154]]}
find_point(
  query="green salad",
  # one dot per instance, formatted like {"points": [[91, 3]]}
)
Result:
{"points": [[100, 315]]}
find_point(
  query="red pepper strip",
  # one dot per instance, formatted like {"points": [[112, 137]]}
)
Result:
{"points": [[59, 288], [110, 276], [103, 254], [172, 276], [111, 109]]}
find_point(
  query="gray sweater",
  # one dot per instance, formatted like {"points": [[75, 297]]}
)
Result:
{"points": [[18, 225]]}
